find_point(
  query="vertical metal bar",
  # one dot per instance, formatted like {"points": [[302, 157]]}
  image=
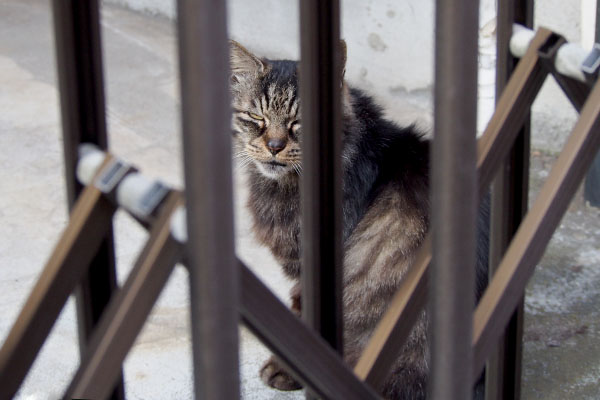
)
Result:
{"points": [[206, 120], [395, 326], [454, 199], [509, 204], [592, 180], [592, 183], [320, 81], [79, 65], [80, 79], [597, 33]]}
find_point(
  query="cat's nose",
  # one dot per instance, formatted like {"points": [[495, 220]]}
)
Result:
{"points": [[275, 145]]}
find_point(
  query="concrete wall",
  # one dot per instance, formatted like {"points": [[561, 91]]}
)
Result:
{"points": [[390, 51], [389, 43]]}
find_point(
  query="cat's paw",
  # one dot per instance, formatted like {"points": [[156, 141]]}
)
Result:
{"points": [[274, 375]]}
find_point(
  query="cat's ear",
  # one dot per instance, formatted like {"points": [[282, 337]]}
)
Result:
{"points": [[344, 56], [346, 101], [244, 63]]}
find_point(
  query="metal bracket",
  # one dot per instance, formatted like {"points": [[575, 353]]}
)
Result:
{"points": [[112, 175], [591, 64], [547, 51], [152, 198]]}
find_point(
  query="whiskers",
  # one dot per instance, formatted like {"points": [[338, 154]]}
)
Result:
{"points": [[243, 159], [297, 167]]}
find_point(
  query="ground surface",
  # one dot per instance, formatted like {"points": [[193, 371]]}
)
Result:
{"points": [[562, 333]]}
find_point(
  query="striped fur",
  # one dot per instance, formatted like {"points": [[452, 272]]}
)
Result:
{"points": [[385, 204]]}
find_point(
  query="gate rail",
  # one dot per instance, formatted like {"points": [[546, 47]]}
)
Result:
{"points": [[224, 290]]}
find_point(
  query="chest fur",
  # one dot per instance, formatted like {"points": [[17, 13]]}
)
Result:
{"points": [[276, 214]]}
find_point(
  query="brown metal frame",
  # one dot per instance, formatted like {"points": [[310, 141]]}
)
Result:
{"points": [[591, 189], [209, 252], [509, 193], [493, 146], [531, 239], [453, 200], [321, 186], [206, 120], [89, 222], [81, 83], [128, 309]]}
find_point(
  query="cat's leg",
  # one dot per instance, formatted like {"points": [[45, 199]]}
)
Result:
{"points": [[273, 373], [408, 375], [295, 296]]}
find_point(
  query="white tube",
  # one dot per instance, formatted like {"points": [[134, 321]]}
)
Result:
{"points": [[131, 191], [569, 60], [179, 225], [90, 160], [520, 40]]}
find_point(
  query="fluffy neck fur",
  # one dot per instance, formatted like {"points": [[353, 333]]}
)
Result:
{"points": [[375, 151]]}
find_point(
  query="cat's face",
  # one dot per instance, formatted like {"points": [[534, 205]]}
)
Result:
{"points": [[266, 113]]}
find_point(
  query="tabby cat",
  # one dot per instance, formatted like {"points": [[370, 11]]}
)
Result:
{"points": [[385, 204]]}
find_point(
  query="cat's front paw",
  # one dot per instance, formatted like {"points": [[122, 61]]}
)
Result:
{"points": [[274, 375]]}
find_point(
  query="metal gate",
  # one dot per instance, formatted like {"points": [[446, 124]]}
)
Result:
{"points": [[225, 292]]}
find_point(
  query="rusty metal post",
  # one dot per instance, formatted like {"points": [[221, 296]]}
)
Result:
{"points": [[79, 67], [206, 123], [320, 81], [454, 199]]}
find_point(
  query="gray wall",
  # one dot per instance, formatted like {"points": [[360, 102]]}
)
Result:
{"points": [[390, 51]]}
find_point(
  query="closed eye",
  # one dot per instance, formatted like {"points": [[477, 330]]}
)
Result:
{"points": [[294, 125], [256, 116]]}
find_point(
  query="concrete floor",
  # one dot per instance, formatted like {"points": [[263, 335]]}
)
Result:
{"points": [[562, 352], [143, 121]]}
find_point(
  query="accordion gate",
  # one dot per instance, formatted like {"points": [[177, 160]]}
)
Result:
{"points": [[224, 291]]}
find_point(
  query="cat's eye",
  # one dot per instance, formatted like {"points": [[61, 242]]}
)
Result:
{"points": [[256, 116]]}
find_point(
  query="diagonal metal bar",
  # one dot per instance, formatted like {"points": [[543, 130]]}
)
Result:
{"points": [[529, 243], [313, 361], [90, 220], [128, 310], [577, 92], [397, 323], [391, 333], [511, 110], [264, 314]]}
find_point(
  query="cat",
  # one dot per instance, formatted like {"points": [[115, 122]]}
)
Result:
{"points": [[385, 204]]}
